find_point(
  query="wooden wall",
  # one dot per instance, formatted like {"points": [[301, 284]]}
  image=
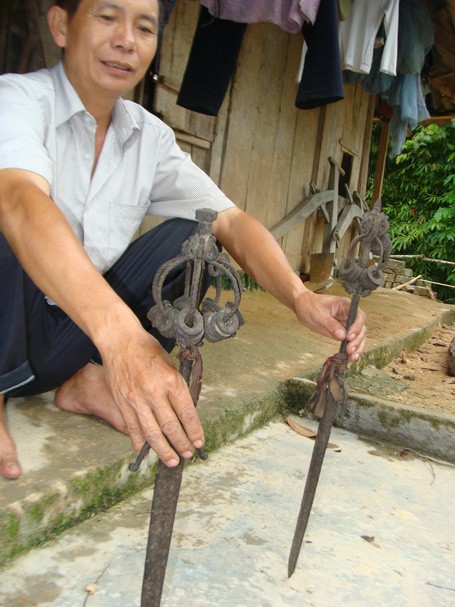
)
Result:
{"points": [[260, 149]]}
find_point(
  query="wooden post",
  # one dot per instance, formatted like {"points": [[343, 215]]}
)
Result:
{"points": [[5, 8], [381, 161]]}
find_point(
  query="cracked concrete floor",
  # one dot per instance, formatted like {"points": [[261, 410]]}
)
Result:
{"points": [[381, 533]]}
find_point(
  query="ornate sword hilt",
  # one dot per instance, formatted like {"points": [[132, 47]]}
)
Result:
{"points": [[363, 275], [357, 275], [187, 320]]}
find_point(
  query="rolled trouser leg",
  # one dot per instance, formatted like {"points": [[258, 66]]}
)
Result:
{"points": [[15, 368]]}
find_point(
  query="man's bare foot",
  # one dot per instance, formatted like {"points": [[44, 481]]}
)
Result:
{"points": [[9, 464], [87, 393]]}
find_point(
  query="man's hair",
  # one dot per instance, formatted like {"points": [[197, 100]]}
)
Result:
{"points": [[71, 6]]}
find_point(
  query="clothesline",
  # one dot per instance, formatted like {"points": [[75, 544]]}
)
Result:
{"points": [[423, 258]]}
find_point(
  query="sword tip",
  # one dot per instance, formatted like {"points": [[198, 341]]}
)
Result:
{"points": [[291, 565]]}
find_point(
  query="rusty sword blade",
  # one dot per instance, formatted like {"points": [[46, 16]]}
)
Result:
{"points": [[164, 506], [322, 439], [317, 458], [162, 517]]}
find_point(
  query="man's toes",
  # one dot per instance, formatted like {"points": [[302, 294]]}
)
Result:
{"points": [[9, 466]]}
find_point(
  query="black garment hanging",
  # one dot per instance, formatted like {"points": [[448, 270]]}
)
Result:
{"points": [[322, 77], [211, 63]]}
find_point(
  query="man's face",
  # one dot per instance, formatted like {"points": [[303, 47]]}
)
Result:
{"points": [[109, 45]]}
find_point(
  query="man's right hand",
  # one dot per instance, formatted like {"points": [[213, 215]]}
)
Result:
{"points": [[153, 398]]}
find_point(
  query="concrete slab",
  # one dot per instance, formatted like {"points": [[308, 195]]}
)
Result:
{"points": [[427, 432], [75, 466], [381, 533]]}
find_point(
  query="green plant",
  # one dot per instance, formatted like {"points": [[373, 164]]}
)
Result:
{"points": [[419, 198]]}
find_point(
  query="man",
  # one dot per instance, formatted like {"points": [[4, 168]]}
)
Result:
{"points": [[79, 168]]}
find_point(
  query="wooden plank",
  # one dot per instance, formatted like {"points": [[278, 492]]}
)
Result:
{"points": [[362, 182], [304, 149], [193, 140], [381, 161], [301, 212], [218, 145], [280, 173], [5, 8], [242, 116], [329, 243], [299, 241]]}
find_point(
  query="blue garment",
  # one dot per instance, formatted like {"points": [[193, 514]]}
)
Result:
{"points": [[409, 108], [415, 39], [415, 36], [376, 82]]}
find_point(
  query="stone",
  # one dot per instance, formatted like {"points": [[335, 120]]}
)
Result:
{"points": [[394, 265], [423, 292], [451, 366]]}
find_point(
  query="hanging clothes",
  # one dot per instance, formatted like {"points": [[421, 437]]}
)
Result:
{"points": [[358, 33], [376, 82], [287, 14], [409, 108], [406, 96], [153, 74], [211, 63], [167, 6], [322, 78], [344, 8], [215, 48], [415, 36], [403, 92]]}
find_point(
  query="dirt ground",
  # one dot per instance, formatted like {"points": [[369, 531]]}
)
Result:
{"points": [[425, 373]]}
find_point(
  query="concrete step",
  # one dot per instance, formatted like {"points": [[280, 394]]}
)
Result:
{"points": [[75, 466]]}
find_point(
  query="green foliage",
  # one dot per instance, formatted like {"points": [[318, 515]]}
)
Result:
{"points": [[248, 284], [419, 198]]}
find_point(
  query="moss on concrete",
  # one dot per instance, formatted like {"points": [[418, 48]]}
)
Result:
{"points": [[53, 513], [388, 421], [100, 488], [233, 424], [293, 395], [380, 356]]}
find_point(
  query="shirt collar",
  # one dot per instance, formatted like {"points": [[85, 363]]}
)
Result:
{"points": [[68, 104]]}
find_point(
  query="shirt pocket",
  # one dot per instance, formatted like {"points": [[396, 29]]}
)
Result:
{"points": [[126, 220]]}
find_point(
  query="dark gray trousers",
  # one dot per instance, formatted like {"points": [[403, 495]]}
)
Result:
{"points": [[41, 347]]}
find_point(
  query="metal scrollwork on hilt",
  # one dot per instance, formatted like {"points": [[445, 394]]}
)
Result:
{"points": [[358, 276], [186, 320]]}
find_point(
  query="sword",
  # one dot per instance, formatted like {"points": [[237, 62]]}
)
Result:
{"points": [[188, 322], [360, 279]]}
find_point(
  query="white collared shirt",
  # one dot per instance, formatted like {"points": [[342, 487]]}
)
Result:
{"points": [[44, 128]]}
